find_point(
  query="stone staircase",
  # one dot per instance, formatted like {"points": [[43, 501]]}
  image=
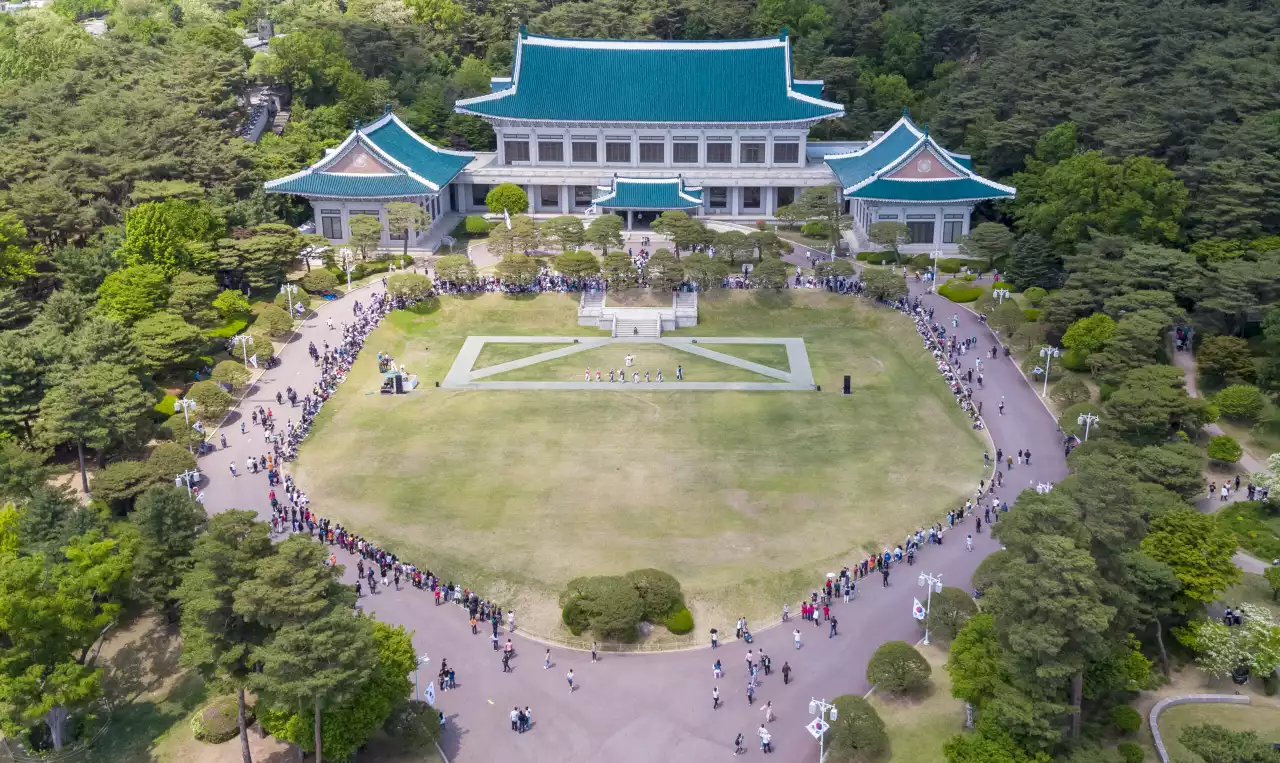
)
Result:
{"points": [[590, 306], [637, 324], [686, 309]]}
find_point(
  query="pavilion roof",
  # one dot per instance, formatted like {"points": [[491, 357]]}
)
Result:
{"points": [[659, 81], [648, 193], [385, 159]]}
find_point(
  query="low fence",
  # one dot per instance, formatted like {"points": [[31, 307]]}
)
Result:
{"points": [[1164, 704]]}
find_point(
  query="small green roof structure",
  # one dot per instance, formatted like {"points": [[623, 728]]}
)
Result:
{"points": [[906, 165], [385, 160], [648, 193], [655, 81]]}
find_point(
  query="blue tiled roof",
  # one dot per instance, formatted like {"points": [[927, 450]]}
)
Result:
{"points": [[857, 167], [410, 166], [811, 88], [952, 189], [652, 81], [649, 193]]}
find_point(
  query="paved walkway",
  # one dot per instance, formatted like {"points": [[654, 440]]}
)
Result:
{"points": [[637, 708], [462, 376]]}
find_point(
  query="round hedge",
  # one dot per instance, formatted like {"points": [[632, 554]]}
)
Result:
{"points": [[659, 592], [681, 622], [477, 226], [949, 610], [1125, 719], [1032, 314], [816, 229], [218, 721], [1075, 359], [1070, 391], [319, 281], [1131, 752], [1242, 402], [874, 257], [858, 733], [958, 290], [1225, 448], [990, 569], [897, 668], [1034, 295]]}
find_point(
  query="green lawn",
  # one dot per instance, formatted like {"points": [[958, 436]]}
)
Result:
{"points": [[743, 496], [647, 357], [919, 727], [494, 353], [1256, 526], [771, 355], [1259, 717]]}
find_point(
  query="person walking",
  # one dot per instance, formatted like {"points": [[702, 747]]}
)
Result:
{"points": [[797, 637], [570, 679], [833, 632], [233, 469], [715, 697], [786, 672], [968, 542], [768, 711], [546, 661], [884, 575], [751, 693]]}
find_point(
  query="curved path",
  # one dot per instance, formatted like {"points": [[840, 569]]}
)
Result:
{"points": [[634, 708]]}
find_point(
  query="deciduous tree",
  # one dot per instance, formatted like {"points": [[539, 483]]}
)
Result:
{"points": [[890, 234], [1198, 550]]}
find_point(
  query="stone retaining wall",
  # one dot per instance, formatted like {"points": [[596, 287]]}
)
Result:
{"points": [[1162, 705]]}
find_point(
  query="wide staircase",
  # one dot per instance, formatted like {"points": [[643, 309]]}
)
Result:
{"points": [[640, 325], [590, 304], [686, 307]]}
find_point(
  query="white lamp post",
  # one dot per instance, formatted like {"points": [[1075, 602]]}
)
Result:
{"points": [[187, 478], [245, 341], [1084, 420], [185, 405], [423, 659], [935, 256], [288, 290], [1000, 294], [931, 582], [1048, 353], [818, 726], [348, 260]]}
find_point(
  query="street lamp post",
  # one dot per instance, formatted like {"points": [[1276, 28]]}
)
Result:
{"points": [[422, 660], [932, 582], [348, 263], [288, 290], [818, 726], [185, 405], [1048, 353], [187, 478], [1000, 294], [1084, 420], [244, 340], [935, 256]]}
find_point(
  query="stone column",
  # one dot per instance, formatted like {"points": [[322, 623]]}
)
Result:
{"points": [[628, 219], [533, 199], [564, 199], [735, 194]]}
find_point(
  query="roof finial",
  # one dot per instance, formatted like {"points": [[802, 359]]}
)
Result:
{"points": [[524, 31], [926, 130], [386, 107], [357, 124], [906, 112], [782, 35]]}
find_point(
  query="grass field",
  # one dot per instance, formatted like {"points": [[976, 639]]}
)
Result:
{"points": [[918, 727], [648, 357], [1262, 717], [495, 353], [743, 496], [771, 355]]}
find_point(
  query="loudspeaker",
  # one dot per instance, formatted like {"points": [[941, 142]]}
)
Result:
{"points": [[817, 387], [437, 384], [846, 384], [399, 384]]}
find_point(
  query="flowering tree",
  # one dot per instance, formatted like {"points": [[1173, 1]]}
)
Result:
{"points": [[1255, 643], [1269, 477]]}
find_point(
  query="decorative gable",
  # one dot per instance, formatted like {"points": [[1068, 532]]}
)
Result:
{"points": [[360, 161], [924, 164]]}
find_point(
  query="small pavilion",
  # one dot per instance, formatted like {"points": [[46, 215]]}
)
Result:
{"points": [[643, 199]]}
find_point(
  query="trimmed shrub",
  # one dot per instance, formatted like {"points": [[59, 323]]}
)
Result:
{"points": [[1070, 391], [176, 429], [162, 410], [659, 592], [283, 301], [1034, 295], [815, 229], [1075, 359], [970, 277], [229, 329], [274, 321], [680, 622], [1131, 752], [951, 265], [857, 734], [1031, 362], [409, 286], [921, 260], [949, 610], [477, 226], [959, 291], [232, 373], [320, 281], [1242, 402], [609, 604], [897, 668], [212, 401], [575, 617], [218, 721], [990, 569], [1125, 719], [1224, 448], [169, 459], [1032, 314], [1069, 417], [120, 484], [875, 257]]}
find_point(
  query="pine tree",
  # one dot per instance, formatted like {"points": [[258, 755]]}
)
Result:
{"points": [[1035, 263], [168, 522]]}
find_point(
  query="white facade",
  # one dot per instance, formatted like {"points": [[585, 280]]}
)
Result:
{"points": [[940, 225], [333, 215]]}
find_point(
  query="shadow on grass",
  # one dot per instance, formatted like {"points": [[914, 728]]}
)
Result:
{"points": [[136, 726]]}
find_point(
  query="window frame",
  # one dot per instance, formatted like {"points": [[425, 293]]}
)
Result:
{"points": [[557, 145]]}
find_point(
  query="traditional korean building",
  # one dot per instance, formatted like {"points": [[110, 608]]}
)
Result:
{"points": [[718, 129]]}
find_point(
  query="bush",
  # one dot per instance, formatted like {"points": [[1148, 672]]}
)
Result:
{"points": [[274, 322], [162, 410], [959, 291], [120, 484], [575, 617], [231, 373], [857, 734], [229, 329], [897, 668], [816, 229], [680, 622], [169, 459], [176, 429], [1075, 359], [951, 265], [218, 721], [1032, 314], [1253, 525], [1243, 402], [1131, 752], [875, 257], [290, 302], [1225, 448], [921, 260], [1125, 719], [1031, 362], [409, 286], [1070, 416], [608, 604], [659, 593], [1070, 391], [320, 281], [212, 401], [990, 569], [970, 277], [414, 725], [949, 610], [1034, 295], [477, 226]]}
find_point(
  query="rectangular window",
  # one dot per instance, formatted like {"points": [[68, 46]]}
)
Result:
{"points": [[786, 153], [549, 196], [684, 150], [478, 192], [887, 217], [584, 150], [719, 151], [719, 197], [331, 224], [786, 195], [516, 150], [582, 195], [751, 153], [653, 153], [616, 151], [952, 230], [921, 231], [550, 151], [751, 197]]}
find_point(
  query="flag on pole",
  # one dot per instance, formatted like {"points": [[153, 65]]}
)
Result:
{"points": [[253, 360], [918, 610], [507, 217]]}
